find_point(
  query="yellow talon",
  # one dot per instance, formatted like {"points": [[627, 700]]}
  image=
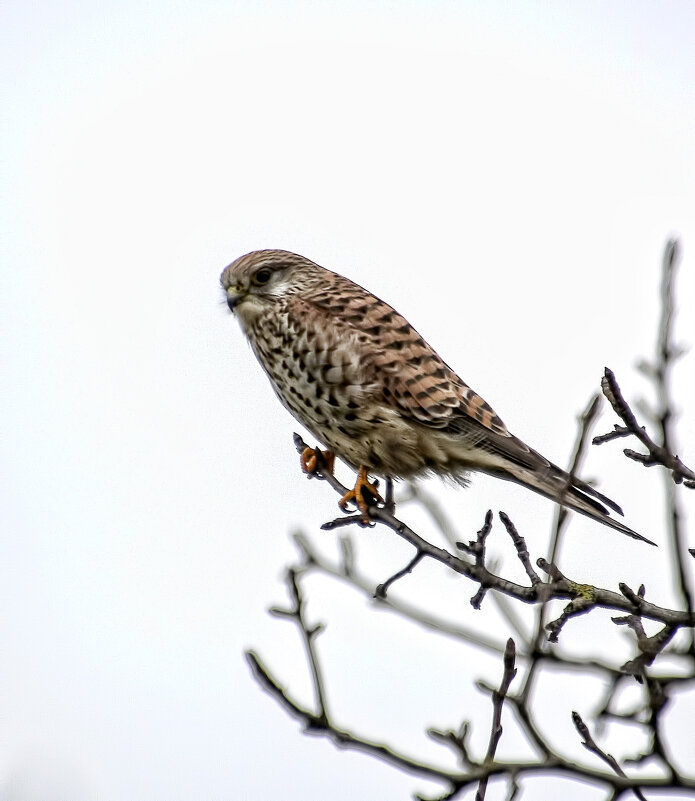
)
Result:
{"points": [[356, 495], [309, 460]]}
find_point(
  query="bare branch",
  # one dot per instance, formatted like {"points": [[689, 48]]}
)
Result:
{"points": [[656, 686], [297, 614], [382, 589], [521, 550], [551, 763], [476, 548], [316, 724], [497, 704], [590, 744], [586, 421], [656, 454], [559, 587]]}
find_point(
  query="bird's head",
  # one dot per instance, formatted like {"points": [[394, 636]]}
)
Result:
{"points": [[257, 280]]}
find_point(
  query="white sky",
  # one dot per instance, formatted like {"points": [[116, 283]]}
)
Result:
{"points": [[506, 177]]}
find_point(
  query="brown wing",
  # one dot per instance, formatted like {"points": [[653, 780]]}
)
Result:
{"points": [[410, 375]]}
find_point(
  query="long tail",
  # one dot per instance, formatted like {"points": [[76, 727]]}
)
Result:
{"points": [[559, 486]]}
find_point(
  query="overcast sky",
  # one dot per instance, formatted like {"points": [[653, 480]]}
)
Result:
{"points": [[506, 175]]}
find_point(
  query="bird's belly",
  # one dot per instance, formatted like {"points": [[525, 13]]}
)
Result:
{"points": [[329, 396], [367, 434]]}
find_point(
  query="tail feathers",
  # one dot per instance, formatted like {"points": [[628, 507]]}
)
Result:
{"points": [[554, 483], [587, 489]]}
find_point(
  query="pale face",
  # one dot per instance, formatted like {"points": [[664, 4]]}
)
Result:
{"points": [[252, 282]]}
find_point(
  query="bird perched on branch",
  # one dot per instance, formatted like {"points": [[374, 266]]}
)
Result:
{"points": [[357, 375]]}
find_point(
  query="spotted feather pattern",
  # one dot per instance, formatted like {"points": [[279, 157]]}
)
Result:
{"points": [[414, 379], [357, 375]]}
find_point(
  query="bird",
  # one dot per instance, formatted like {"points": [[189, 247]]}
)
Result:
{"points": [[361, 379]]}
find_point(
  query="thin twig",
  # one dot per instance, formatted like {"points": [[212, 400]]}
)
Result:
{"points": [[562, 588], [586, 420], [667, 353], [521, 549], [590, 744], [552, 763], [632, 606], [497, 704], [313, 560], [382, 589], [657, 454], [315, 724], [659, 371], [297, 614]]}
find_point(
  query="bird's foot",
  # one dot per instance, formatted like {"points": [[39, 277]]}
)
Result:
{"points": [[313, 458], [363, 495]]}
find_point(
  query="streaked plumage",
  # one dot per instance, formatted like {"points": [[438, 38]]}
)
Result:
{"points": [[357, 375]]}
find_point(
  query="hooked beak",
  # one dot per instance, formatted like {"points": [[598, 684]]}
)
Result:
{"points": [[235, 294]]}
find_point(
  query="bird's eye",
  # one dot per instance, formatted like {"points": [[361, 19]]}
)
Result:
{"points": [[262, 276]]}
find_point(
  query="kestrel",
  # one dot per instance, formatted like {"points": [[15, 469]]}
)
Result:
{"points": [[357, 375]]}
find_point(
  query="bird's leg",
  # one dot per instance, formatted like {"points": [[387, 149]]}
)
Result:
{"points": [[389, 503], [311, 458], [356, 495]]}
